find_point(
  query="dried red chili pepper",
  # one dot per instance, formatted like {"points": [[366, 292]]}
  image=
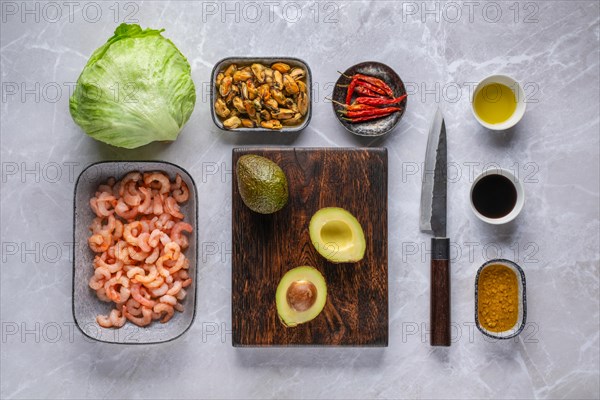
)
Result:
{"points": [[379, 101], [351, 87], [372, 88], [362, 119], [359, 107], [372, 80], [367, 92], [367, 113], [352, 107], [362, 90], [376, 82]]}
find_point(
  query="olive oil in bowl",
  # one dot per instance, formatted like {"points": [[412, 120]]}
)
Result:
{"points": [[495, 103], [498, 102]]}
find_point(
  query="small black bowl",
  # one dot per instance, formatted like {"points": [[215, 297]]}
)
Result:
{"points": [[376, 127]]}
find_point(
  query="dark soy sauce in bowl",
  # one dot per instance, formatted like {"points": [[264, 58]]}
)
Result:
{"points": [[494, 196]]}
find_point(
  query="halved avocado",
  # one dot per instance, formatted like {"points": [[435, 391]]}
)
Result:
{"points": [[301, 296], [337, 235]]}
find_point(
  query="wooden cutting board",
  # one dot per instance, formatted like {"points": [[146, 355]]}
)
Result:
{"points": [[266, 246]]}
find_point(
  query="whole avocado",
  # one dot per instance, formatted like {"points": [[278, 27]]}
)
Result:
{"points": [[262, 184]]}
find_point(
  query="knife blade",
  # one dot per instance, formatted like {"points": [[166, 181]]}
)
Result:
{"points": [[433, 220]]}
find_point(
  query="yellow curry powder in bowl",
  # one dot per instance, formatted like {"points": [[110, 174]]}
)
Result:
{"points": [[500, 299]]}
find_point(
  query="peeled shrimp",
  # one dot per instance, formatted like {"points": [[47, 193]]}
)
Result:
{"points": [[123, 294], [134, 307], [183, 275], [104, 321], [96, 226], [135, 271], [146, 206], [131, 195], [161, 308], [187, 282], [121, 252], [172, 207], [139, 237], [162, 179], [177, 286], [124, 211], [162, 220], [178, 265], [181, 192], [135, 293], [182, 241], [118, 233], [101, 275], [110, 226], [158, 236], [181, 294], [142, 241], [101, 294], [118, 318], [172, 250], [128, 232], [130, 177], [104, 202], [137, 255], [143, 278], [157, 204], [153, 257], [100, 242], [155, 283], [141, 321], [160, 291], [168, 299], [160, 266], [112, 268], [115, 319]]}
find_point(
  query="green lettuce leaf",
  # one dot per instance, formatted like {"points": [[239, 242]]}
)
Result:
{"points": [[135, 89]]}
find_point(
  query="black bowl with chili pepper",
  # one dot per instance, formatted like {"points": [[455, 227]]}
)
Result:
{"points": [[369, 99]]}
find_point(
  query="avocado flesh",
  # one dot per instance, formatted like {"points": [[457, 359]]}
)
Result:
{"points": [[337, 235], [262, 184], [301, 296]]}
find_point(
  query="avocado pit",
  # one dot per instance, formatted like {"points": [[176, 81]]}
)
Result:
{"points": [[301, 295]]}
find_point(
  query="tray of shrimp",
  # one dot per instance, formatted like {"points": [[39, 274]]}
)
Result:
{"points": [[135, 253]]}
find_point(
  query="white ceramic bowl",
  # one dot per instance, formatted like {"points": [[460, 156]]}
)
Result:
{"points": [[518, 205], [519, 95]]}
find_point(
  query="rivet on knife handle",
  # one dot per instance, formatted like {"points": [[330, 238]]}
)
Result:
{"points": [[440, 292]]}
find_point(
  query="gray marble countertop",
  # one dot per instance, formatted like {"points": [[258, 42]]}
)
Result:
{"points": [[440, 50]]}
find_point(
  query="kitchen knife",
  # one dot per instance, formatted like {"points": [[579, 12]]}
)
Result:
{"points": [[433, 220]]}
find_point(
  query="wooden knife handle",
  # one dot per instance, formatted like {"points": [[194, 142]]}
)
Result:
{"points": [[440, 292]]}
